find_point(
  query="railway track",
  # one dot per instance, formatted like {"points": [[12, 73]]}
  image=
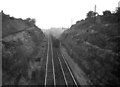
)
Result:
{"points": [[57, 70]]}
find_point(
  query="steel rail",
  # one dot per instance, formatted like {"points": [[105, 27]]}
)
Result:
{"points": [[62, 70], [53, 65], [46, 65], [69, 70]]}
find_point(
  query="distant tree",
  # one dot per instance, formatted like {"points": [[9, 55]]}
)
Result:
{"points": [[118, 10], [91, 14], [33, 21], [118, 14], [28, 19], [106, 13], [77, 22]]}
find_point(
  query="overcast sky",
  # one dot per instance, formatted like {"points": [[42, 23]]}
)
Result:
{"points": [[55, 13]]}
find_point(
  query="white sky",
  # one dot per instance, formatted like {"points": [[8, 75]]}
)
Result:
{"points": [[55, 13]]}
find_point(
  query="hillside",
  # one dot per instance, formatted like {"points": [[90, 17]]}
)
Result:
{"points": [[93, 43], [23, 49], [0, 49]]}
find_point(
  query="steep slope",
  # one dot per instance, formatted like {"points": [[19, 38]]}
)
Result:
{"points": [[0, 49], [23, 47], [93, 43]]}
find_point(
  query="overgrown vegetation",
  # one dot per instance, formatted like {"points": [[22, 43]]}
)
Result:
{"points": [[23, 47], [93, 43]]}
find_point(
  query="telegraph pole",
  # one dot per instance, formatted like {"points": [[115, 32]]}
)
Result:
{"points": [[95, 9], [119, 4], [71, 21]]}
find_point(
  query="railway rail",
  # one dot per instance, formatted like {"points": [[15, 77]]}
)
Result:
{"points": [[57, 70]]}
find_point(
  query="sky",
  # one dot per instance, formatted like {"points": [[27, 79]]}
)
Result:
{"points": [[55, 13]]}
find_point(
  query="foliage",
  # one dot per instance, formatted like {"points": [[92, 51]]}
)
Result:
{"points": [[91, 14], [95, 46], [33, 21], [106, 13], [19, 46], [118, 14]]}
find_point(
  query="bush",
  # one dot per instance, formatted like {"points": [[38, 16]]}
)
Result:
{"points": [[107, 13], [33, 21], [91, 14]]}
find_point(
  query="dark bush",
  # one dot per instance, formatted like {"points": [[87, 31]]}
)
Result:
{"points": [[107, 13]]}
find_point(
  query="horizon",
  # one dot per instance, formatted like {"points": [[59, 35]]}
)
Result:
{"points": [[55, 13]]}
